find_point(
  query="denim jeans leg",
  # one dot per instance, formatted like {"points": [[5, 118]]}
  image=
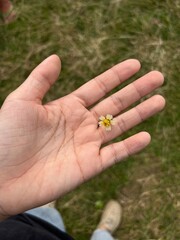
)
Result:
{"points": [[50, 215], [99, 234]]}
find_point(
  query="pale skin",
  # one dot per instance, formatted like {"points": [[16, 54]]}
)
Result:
{"points": [[48, 150]]}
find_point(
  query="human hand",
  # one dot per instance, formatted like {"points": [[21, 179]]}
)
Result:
{"points": [[48, 150]]}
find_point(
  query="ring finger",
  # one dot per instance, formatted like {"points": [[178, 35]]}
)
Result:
{"points": [[119, 101], [133, 117]]}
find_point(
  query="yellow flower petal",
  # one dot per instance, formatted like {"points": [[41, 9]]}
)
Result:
{"points": [[113, 122], [108, 128], [101, 118], [109, 117], [101, 123]]}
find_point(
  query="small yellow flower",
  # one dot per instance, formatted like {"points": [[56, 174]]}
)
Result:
{"points": [[106, 122]]}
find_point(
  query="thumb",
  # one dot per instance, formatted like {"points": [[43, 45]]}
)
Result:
{"points": [[39, 81]]}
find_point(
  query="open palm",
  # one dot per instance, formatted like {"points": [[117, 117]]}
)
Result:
{"points": [[48, 150]]}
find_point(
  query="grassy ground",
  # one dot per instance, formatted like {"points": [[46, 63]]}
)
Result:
{"points": [[91, 36]]}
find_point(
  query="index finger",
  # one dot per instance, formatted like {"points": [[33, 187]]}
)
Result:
{"points": [[92, 91]]}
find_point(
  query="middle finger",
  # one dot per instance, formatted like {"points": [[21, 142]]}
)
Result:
{"points": [[119, 101]]}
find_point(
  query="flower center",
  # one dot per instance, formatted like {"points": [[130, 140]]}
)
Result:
{"points": [[106, 122]]}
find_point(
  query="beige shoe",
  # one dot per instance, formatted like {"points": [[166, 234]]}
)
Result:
{"points": [[111, 216], [51, 204]]}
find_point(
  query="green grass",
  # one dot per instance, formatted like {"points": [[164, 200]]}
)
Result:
{"points": [[90, 37]]}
